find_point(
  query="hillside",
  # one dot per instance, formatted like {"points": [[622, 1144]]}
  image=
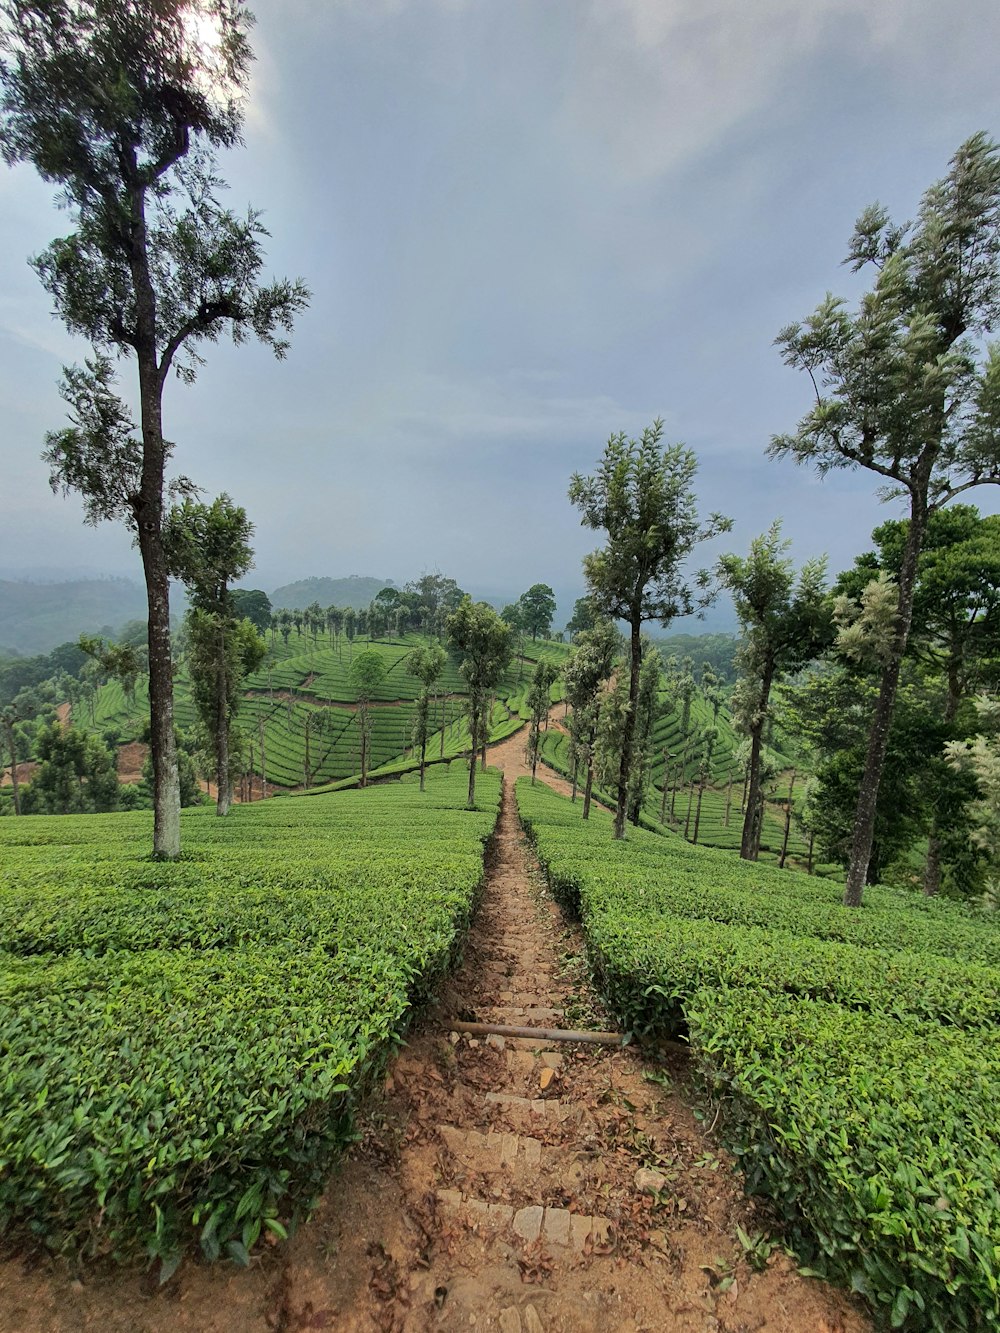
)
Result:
{"points": [[356, 591], [35, 617], [300, 707]]}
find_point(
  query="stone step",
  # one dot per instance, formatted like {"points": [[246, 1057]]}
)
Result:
{"points": [[520, 1015], [530, 1111], [516, 1155], [557, 1227]]}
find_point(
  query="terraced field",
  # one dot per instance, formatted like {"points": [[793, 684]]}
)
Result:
{"points": [[301, 704]]}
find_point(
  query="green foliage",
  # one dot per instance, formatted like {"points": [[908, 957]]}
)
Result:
{"points": [[476, 631], [76, 774], [854, 1055], [641, 496], [187, 1041], [537, 606], [251, 604]]}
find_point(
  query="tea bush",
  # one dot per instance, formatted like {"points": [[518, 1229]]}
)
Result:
{"points": [[854, 1053], [184, 1044]]}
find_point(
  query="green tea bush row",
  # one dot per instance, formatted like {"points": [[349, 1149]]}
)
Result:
{"points": [[184, 1045], [855, 1053]]}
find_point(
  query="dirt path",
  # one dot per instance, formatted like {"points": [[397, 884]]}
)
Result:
{"points": [[504, 1185]]}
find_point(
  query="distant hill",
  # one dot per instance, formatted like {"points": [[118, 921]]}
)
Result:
{"points": [[356, 591], [35, 617]]}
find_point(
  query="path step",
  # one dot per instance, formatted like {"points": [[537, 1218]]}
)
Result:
{"points": [[520, 1015], [493, 1151], [552, 1108], [556, 1226]]}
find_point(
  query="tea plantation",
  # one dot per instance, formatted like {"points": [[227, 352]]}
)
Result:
{"points": [[854, 1054], [184, 1043], [303, 701]]}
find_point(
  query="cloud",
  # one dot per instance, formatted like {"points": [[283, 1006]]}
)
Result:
{"points": [[657, 84]]}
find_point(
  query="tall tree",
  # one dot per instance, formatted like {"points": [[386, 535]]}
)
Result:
{"points": [[120, 104], [641, 497], [538, 606], [426, 663], [254, 605], [904, 390], [539, 701], [955, 632], [786, 623], [367, 674], [476, 631], [586, 672], [584, 617], [647, 712], [207, 547]]}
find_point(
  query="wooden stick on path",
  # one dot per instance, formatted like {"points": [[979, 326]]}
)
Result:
{"points": [[559, 1034]]}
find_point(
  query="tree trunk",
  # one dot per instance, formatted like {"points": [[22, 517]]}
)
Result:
{"points": [[697, 813], [628, 732], [162, 743], [444, 715], [363, 720], [788, 823], [687, 821], [423, 756], [748, 848], [223, 781], [679, 772], [809, 861], [149, 526], [729, 795], [263, 760], [473, 712], [878, 737], [932, 866], [9, 728], [663, 784], [576, 766]]}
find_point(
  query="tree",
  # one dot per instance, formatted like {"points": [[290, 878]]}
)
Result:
{"points": [[367, 674], [476, 631], [8, 717], [585, 617], [207, 546], [537, 606], [980, 758], [252, 604], [641, 497], [539, 701], [124, 662], [585, 674], [426, 663], [76, 775], [120, 106], [432, 598], [903, 390], [955, 631], [785, 625], [647, 712]]}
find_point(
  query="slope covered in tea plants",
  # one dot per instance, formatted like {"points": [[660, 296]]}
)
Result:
{"points": [[854, 1053], [300, 708], [198, 1032]]}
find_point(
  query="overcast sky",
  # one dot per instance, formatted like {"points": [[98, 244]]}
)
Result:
{"points": [[526, 224]]}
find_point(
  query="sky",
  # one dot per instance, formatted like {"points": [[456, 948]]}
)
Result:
{"points": [[526, 225]]}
